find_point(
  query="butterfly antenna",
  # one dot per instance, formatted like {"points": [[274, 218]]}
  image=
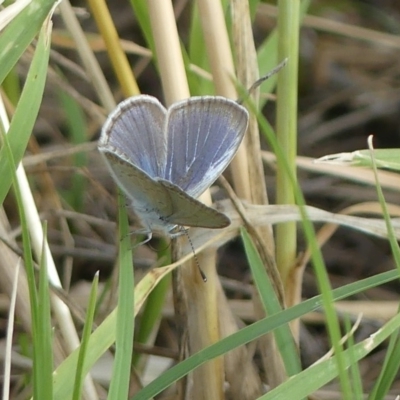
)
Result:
{"points": [[259, 81], [196, 260]]}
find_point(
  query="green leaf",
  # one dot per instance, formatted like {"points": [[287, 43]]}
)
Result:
{"points": [[20, 32], [119, 386], [283, 335], [87, 330], [27, 109]]}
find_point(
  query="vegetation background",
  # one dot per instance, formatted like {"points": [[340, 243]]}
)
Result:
{"points": [[274, 305]]}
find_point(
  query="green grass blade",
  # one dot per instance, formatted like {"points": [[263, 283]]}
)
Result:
{"points": [[119, 386], [384, 158], [87, 330], [392, 360], [267, 55], [27, 108], [103, 337], [355, 373], [198, 56], [319, 374], [27, 253], [12, 86], [316, 255], [151, 315], [20, 32], [254, 331], [283, 335], [75, 120], [389, 370], [100, 341], [142, 16]]}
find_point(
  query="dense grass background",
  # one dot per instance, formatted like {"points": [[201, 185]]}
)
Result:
{"points": [[301, 296]]}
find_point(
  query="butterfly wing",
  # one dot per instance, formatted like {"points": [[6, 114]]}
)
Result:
{"points": [[203, 135], [158, 203], [187, 211], [148, 196], [162, 158], [136, 129]]}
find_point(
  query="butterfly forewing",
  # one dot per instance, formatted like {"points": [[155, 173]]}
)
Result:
{"points": [[203, 135], [137, 129]]}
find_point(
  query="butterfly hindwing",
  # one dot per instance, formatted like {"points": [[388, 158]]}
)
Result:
{"points": [[169, 202], [187, 211], [145, 193]]}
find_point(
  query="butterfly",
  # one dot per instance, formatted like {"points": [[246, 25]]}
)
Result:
{"points": [[163, 159]]}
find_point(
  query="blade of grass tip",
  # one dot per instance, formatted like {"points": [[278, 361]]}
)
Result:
{"points": [[100, 341], [119, 386], [9, 336], [44, 353], [87, 330], [271, 304], [254, 331], [392, 359]]}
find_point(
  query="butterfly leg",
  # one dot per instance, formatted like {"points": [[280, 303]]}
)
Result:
{"points": [[143, 231]]}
